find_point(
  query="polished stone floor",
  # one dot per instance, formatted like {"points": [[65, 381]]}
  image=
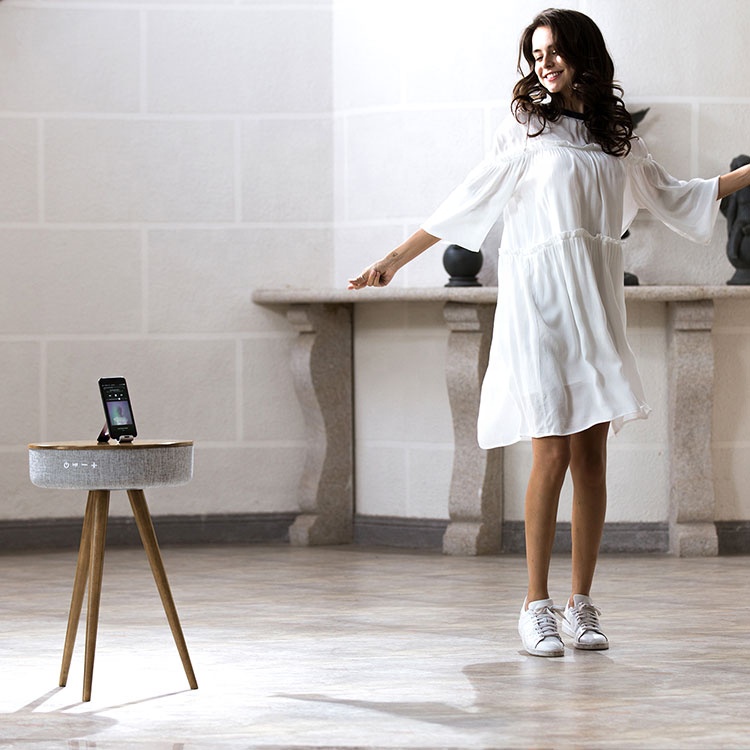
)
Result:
{"points": [[353, 648]]}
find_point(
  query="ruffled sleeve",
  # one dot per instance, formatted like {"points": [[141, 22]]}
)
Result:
{"points": [[470, 211], [688, 208]]}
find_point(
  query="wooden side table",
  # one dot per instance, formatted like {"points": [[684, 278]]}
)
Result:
{"points": [[100, 468]]}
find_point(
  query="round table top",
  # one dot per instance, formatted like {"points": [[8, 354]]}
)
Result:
{"points": [[78, 445]]}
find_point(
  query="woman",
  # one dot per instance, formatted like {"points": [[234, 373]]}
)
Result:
{"points": [[567, 176]]}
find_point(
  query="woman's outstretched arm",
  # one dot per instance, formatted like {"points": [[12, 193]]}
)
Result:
{"points": [[381, 272], [733, 181]]}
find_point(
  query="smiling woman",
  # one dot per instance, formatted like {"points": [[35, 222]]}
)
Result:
{"points": [[567, 176]]}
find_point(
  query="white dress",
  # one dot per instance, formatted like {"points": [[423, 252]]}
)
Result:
{"points": [[560, 361]]}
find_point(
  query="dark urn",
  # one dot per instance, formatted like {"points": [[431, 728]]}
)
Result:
{"points": [[462, 266]]}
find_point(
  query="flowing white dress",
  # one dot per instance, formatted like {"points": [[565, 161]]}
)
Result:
{"points": [[560, 361]]}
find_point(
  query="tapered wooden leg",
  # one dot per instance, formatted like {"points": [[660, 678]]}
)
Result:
{"points": [[79, 587], [98, 540], [150, 544]]}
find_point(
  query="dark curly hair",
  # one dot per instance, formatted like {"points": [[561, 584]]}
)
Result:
{"points": [[580, 43]]}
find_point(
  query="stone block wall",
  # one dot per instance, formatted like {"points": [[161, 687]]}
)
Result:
{"points": [[157, 162]]}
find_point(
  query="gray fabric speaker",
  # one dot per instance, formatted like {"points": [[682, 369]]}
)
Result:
{"points": [[105, 466]]}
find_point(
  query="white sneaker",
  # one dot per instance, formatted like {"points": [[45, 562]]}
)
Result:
{"points": [[581, 622], [537, 627]]}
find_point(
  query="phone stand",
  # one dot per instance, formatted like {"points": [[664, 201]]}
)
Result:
{"points": [[104, 437]]}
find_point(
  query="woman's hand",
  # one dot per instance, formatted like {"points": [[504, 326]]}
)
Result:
{"points": [[378, 274]]}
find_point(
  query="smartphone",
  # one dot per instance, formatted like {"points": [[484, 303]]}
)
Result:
{"points": [[117, 409]]}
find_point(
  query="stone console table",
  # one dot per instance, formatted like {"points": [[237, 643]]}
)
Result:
{"points": [[323, 377]]}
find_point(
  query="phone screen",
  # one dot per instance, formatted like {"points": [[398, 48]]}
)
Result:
{"points": [[119, 413], [117, 409]]}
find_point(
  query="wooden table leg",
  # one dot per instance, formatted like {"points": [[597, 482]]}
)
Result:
{"points": [[79, 587], [98, 541], [148, 537]]}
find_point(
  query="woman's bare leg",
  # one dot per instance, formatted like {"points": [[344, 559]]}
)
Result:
{"points": [[588, 468], [551, 456]]}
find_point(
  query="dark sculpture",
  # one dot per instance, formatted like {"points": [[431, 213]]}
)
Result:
{"points": [[736, 208]]}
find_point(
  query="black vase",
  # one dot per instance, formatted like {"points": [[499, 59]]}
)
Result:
{"points": [[462, 266]]}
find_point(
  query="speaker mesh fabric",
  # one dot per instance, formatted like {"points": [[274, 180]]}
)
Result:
{"points": [[112, 468]]}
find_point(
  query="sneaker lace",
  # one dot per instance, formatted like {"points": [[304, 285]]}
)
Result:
{"points": [[545, 620], [587, 617]]}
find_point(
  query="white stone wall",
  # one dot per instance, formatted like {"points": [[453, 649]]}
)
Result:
{"points": [[158, 160], [419, 87], [161, 158]]}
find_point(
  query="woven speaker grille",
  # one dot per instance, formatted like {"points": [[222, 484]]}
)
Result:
{"points": [[115, 469]]}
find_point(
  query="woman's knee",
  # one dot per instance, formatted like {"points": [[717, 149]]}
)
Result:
{"points": [[552, 455], [588, 461], [589, 467]]}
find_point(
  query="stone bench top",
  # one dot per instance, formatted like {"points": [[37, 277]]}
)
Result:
{"points": [[477, 295]]}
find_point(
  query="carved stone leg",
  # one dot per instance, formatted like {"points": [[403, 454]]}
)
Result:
{"points": [[476, 494], [322, 371], [692, 532]]}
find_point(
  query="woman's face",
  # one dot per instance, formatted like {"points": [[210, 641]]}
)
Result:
{"points": [[553, 72]]}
